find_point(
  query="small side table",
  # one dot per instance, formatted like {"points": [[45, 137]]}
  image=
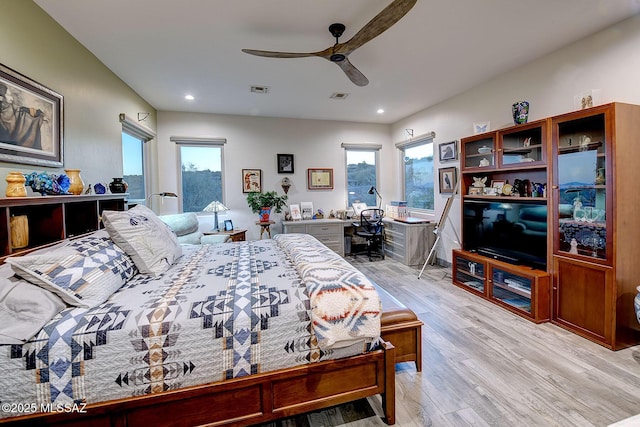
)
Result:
{"points": [[236, 235], [265, 226]]}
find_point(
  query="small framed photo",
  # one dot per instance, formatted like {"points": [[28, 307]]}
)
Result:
{"points": [[498, 184], [228, 225], [285, 163], [448, 179], [476, 191], [296, 214], [320, 179], [490, 191], [251, 180], [448, 151]]}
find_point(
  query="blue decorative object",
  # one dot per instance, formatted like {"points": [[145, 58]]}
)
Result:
{"points": [[520, 112], [48, 183], [99, 188], [636, 304]]}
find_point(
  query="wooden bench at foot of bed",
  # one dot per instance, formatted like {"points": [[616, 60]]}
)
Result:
{"points": [[401, 327]]}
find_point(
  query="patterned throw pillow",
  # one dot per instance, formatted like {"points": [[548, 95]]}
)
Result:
{"points": [[83, 273], [144, 237]]}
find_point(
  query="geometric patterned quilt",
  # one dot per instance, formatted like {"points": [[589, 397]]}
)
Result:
{"points": [[220, 312]]}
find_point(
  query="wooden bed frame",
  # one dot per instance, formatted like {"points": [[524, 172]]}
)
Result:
{"points": [[244, 401]]}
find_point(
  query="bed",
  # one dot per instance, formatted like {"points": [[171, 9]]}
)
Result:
{"points": [[145, 330]]}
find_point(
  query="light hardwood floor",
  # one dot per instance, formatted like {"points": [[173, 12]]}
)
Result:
{"points": [[485, 366]]}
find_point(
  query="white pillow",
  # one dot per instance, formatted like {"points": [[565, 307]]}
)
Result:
{"points": [[83, 273], [144, 237], [24, 309]]}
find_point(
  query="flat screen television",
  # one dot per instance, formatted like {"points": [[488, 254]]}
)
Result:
{"points": [[511, 231]]}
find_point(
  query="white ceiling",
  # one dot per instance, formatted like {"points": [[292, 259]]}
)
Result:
{"points": [[164, 49]]}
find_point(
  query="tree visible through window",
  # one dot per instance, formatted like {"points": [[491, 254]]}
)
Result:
{"points": [[418, 176], [201, 172], [361, 176]]}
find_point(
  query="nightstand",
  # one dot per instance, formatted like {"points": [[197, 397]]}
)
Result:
{"points": [[235, 235]]}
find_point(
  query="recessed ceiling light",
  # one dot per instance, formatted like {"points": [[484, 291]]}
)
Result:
{"points": [[189, 97], [380, 110]]}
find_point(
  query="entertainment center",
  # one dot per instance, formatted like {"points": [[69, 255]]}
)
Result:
{"points": [[549, 227]]}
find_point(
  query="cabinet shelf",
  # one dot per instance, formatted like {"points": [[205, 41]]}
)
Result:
{"points": [[576, 148], [515, 290], [53, 218]]}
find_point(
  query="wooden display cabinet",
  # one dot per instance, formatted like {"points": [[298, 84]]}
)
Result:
{"points": [[595, 223], [53, 218]]}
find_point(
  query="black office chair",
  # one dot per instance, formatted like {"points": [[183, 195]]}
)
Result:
{"points": [[371, 228]]}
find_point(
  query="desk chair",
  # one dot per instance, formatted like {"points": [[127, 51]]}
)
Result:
{"points": [[371, 228]]}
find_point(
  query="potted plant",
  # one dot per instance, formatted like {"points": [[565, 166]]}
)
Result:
{"points": [[262, 203]]}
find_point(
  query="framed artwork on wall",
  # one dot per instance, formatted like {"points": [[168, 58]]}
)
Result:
{"points": [[31, 129], [448, 151], [448, 179], [285, 163], [320, 179], [251, 180]]}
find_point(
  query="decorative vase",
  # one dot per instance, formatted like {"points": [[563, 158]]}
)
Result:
{"points": [[19, 231], [118, 185], [265, 213], [76, 184], [15, 185], [520, 112]]}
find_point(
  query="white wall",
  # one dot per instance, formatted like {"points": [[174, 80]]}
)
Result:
{"points": [[608, 62], [37, 47], [254, 142]]}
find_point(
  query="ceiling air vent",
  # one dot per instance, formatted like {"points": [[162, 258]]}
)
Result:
{"points": [[339, 95], [259, 89]]}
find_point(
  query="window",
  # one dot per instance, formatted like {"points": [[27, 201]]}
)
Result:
{"points": [[134, 137], [362, 173], [201, 172], [417, 168], [133, 167]]}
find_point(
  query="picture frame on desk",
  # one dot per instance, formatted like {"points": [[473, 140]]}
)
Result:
{"points": [[35, 114], [228, 225], [296, 214]]}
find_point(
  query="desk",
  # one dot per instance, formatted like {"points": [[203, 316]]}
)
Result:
{"points": [[329, 231], [408, 242], [265, 226]]}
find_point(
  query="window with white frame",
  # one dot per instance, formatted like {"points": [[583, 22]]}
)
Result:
{"points": [[201, 172], [362, 173], [134, 138], [417, 172]]}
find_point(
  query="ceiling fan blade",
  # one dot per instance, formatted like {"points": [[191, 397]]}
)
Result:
{"points": [[270, 54], [380, 23], [352, 72]]}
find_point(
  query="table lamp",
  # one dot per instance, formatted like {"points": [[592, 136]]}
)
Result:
{"points": [[373, 190], [215, 207]]}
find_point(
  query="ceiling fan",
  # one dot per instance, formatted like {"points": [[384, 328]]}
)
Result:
{"points": [[339, 52]]}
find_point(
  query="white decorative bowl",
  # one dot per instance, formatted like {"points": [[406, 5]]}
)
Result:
{"points": [[484, 150]]}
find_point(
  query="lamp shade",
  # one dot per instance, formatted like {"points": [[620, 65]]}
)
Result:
{"points": [[215, 206]]}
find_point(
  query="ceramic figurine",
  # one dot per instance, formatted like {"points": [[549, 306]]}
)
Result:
{"points": [[479, 182]]}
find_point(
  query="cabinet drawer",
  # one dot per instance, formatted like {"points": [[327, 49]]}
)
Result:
{"points": [[297, 228], [324, 229]]}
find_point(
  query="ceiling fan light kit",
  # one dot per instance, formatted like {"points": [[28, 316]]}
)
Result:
{"points": [[339, 53]]}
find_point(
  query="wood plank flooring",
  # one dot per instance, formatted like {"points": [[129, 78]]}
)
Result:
{"points": [[485, 366]]}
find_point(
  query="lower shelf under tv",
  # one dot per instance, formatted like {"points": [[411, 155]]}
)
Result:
{"points": [[520, 289]]}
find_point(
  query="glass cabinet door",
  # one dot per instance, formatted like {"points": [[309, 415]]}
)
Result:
{"points": [[511, 289], [523, 147], [581, 209], [469, 273], [479, 152]]}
